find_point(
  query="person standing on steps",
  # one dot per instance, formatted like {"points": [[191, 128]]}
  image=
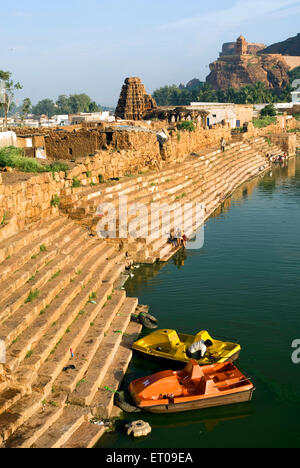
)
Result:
{"points": [[223, 145]]}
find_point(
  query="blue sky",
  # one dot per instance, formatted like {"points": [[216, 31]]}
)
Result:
{"points": [[73, 46]]}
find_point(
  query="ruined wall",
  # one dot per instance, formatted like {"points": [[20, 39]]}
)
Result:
{"points": [[287, 142], [78, 144], [24, 202], [74, 145], [183, 143]]}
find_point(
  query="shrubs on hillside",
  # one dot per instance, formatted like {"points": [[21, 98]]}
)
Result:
{"points": [[11, 156]]}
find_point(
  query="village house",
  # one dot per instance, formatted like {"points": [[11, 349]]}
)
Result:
{"points": [[234, 114]]}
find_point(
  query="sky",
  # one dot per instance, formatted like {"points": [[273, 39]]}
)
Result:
{"points": [[91, 46]]}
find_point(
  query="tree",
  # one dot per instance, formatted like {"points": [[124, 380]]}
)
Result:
{"points": [[93, 107], [79, 103], [9, 92], [63, 104], [46, 106], [269, 110], [26, 107]]}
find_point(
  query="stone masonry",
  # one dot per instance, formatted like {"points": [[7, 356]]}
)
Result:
{"points": [[134, 102]]}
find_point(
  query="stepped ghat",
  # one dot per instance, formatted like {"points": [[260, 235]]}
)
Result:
{"points": [[61, 303], [58, 297], [207, 177]]}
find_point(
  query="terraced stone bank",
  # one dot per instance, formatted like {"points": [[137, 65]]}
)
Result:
{"points": [[60, 305], [207, 177], [58, 298]]}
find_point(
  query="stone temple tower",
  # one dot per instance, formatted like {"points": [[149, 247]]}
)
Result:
{"points": [[241, 46], [134, 102]]}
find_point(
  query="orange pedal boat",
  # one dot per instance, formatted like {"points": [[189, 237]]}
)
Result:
{"points": [[193, 388]]}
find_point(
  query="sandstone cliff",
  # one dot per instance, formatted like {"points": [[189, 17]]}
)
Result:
{"points": [[237, 71], [243, 66]]}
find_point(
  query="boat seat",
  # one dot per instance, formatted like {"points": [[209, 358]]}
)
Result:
{"points": [[174, 340], [194, 371], [206, 386]]}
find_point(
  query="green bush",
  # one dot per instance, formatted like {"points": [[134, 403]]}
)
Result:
{"points": [[55, 200], [188, 126], [76, 183], [11, 156], [264, 122], [269, 110], [57, 167]]}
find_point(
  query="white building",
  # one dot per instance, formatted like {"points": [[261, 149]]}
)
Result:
{"points": [[92, 117], [296, 96], [233, 114], [60, 120], [218, 112]]}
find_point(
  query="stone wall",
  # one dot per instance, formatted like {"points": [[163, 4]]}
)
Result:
{"points": [[183, 143], [78, 144], [28, 198], [73, 145], [24, 202], [286, 141]]}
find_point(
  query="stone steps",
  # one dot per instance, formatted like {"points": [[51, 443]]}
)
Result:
{"points": [[86, 436], [39, 423], [37, 262], [90, 341], [43, 334], [177, 192], [59, 432], [52, 416], [17, 299], [201, 189], [75, 308], [182, 170], [84, 393], [14, 244], [19, 259], [103, 401], [53, 281], [18, 413]]}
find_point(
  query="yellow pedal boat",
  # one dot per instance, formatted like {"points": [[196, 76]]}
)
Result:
{"points": [[168, 345]]}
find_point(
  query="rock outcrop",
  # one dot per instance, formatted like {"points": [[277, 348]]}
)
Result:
{"points": [[241, 68], [289, 47], [134, 102]]}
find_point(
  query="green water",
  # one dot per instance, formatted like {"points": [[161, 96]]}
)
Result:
{"points": [[243, 284]]}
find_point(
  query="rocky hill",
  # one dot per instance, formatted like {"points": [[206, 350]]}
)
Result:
{"points": [[242, 67], [289, 47]]}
